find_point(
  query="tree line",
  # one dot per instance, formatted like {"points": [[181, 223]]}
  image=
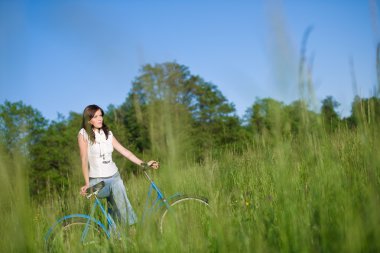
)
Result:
{"points": [[169, 113]]}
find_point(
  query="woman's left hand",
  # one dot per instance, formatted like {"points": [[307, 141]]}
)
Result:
{"points": [[155, 165]]}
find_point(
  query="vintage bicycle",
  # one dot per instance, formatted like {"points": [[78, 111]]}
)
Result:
{"points": [[90, 229]]}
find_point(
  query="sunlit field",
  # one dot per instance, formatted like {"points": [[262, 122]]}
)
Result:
{"points": [[297, 176], [315, 193]]}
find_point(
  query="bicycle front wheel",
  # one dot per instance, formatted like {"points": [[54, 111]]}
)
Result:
{"points": [[186, 222], [71, 234]]}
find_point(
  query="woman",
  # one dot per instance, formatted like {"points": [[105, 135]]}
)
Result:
{"points": [[96, 143]]}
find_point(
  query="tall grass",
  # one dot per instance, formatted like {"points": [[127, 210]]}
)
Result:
{"points": [[16, 233], [307, 196], [312, 193]]}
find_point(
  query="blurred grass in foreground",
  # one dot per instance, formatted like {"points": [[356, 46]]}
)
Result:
{"points": [[17, 233], [314, 193]]}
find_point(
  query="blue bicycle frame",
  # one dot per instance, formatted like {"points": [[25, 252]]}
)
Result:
{"points": [[159, 202], [90, 218], [160, 199]]}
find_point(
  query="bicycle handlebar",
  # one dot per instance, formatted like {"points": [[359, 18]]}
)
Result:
{"points": [[145, 166]]}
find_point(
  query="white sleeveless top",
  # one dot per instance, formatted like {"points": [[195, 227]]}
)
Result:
{"points": [[100, 154]]}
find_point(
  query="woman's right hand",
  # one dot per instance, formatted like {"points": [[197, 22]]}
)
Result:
{"points": [[83, 190], [153, 164]]}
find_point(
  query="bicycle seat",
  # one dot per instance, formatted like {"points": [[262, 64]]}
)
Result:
{"points": [[96, 187]]}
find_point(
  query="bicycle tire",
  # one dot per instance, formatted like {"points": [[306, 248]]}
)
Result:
{"points": [[187, 220], [66, 234]]}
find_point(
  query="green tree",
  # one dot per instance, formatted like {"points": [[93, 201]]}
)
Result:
{"points": [[21, 126], [130, 114], [255, 119], [365, 111], [329, 115], [300, 120], [266, 117], [215, 120], [156, 110], [55, 157], [178, 111]]}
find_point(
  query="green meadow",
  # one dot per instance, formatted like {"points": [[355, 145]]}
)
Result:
{"points": [[313, 194], [285, 186]]}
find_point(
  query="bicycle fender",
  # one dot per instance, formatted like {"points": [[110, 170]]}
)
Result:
{"points": [[79, 216]]}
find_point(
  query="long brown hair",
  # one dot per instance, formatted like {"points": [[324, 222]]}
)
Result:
{"points": [[88, 114]]}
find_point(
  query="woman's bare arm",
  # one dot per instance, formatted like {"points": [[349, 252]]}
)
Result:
{"points": [[129, 155], [84, 161]]}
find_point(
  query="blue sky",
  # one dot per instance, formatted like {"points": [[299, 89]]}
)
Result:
{"points": [[59, 56]]}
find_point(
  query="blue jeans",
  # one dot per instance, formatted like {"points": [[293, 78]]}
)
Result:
{"points": [[118, 203]]}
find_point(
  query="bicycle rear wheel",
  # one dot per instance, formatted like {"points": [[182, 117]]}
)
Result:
{"points": [[186, 223], [71, 234]]}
